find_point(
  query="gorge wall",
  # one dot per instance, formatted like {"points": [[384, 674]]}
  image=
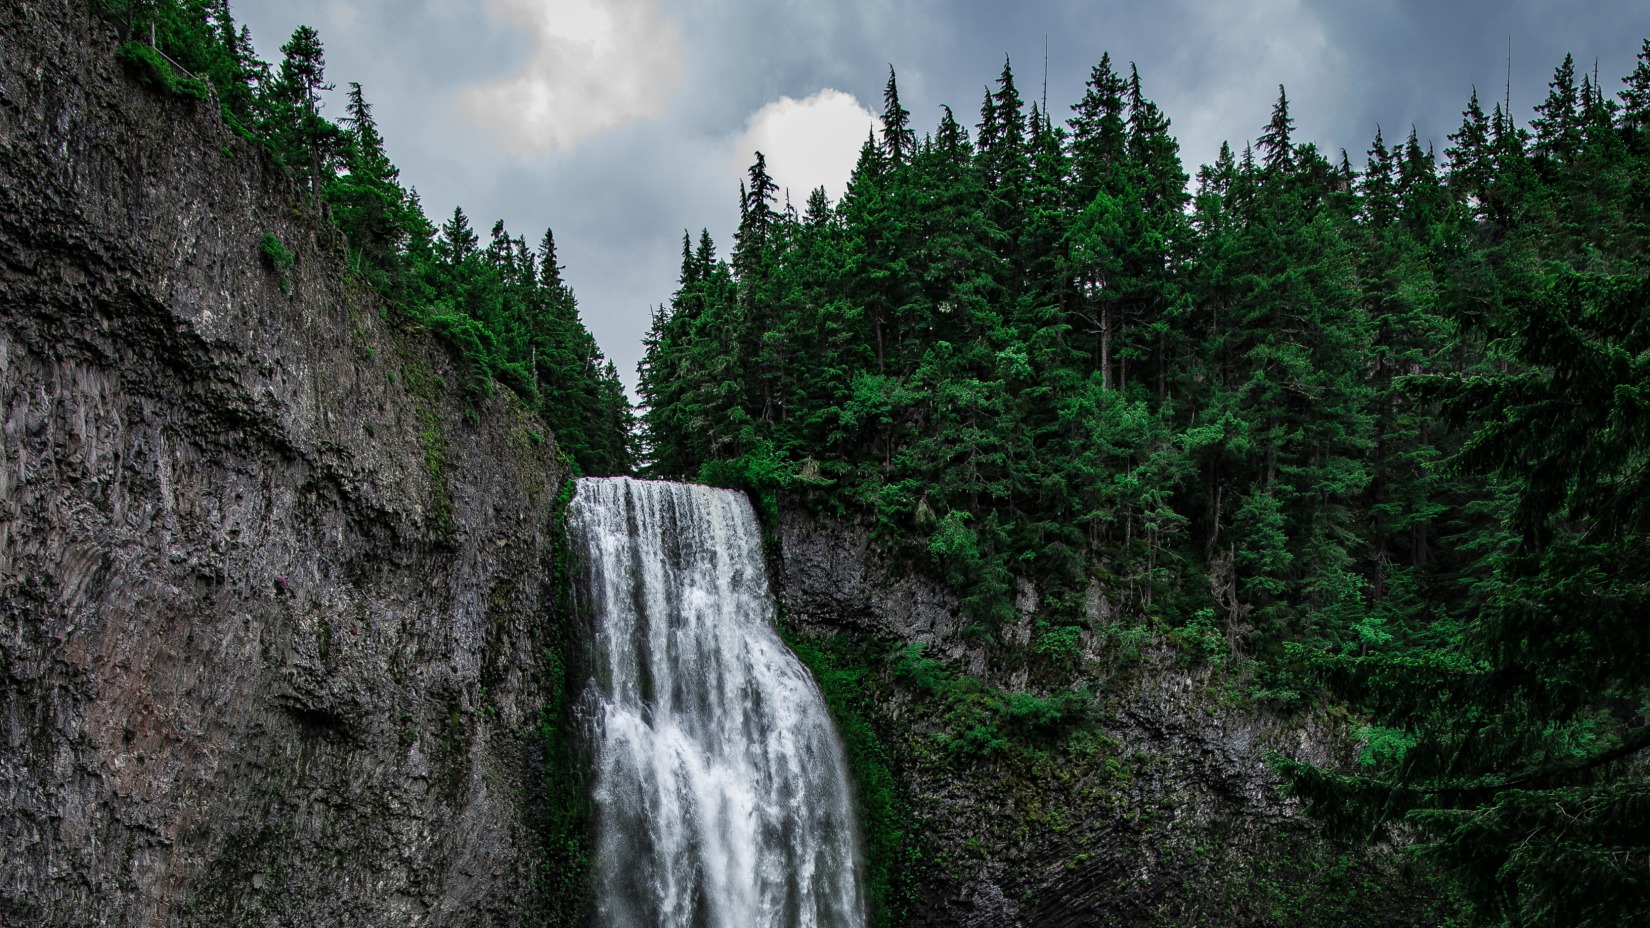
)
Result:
{"points": [[276, 598], [273, 595], [1158, 808]]}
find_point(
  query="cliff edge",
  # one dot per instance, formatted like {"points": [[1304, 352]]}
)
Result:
{"points": [[274, 595]]}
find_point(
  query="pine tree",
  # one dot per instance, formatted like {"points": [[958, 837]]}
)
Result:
{"points": [[1160, 182], [899, 140], [1154, 155], [1558, 127], [1514, 743], [458, 240], [1424, 198], [304, 138], [1276, 142], [506, 326], [1635, 102], [757, 217], [1471, 157], [550, 267], [1004, 163], [1099, 134], [1380, 196], [366, 198]]}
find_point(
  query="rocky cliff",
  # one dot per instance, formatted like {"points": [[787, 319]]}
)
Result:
{"points": [[1150, 803], [276, 604], [273, 595]]}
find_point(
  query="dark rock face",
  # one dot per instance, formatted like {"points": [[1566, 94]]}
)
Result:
{"points": [[1167, 815], [272, 604]]}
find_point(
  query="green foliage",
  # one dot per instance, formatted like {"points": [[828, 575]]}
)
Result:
{"points": [[279, 259], [1531, 716], [1000, 355], [1201, 640], [1374, 435], [893, 857], [1381, 434], [152, 70], [434, 441], [562, 812], [761, 473], [982, 720], [275, 253], [502, 308], [1313, 883]]}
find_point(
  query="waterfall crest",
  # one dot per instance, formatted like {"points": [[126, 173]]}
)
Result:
{"points": [[722, 798]]}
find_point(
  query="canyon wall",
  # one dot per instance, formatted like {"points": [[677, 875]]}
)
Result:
{"points": [[1151, 803], [272, 593], [276, 598]]}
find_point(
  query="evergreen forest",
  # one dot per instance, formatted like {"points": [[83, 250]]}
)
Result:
{"points": [[1371, 430], [1364, 429], [500, 304]]}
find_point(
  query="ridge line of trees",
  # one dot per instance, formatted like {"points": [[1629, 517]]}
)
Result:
{"points": [[1378, 435], [501, 305]]}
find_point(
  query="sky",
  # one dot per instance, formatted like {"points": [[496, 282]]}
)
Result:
{"points": [[622, 123]]}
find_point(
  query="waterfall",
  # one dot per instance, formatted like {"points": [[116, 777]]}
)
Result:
{"points": [[722, 798]]}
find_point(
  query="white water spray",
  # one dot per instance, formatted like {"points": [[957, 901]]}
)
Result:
{"points": [[722, 799]]}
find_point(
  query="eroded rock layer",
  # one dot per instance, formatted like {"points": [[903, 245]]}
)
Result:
{"points": [[1152, 803], [272, 596]]}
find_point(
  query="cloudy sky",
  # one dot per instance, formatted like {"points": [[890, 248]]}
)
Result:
{"points": [[620, 123]]}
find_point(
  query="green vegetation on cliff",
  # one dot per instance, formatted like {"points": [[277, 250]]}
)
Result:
{"points": [[502, 306], [1374, 434]]}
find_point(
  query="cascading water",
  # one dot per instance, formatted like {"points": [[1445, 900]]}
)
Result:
{"points": [[722, 799]]}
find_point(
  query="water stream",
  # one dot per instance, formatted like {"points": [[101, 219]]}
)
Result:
{"points": [[722, 798]]}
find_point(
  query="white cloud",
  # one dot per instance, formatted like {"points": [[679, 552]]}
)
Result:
{"points": [[808, 143], [596, 65]]}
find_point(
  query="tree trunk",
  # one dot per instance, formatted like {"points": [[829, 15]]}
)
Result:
{"points": [[1105, 346]]}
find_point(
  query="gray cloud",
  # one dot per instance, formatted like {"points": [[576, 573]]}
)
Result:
{"points": [[620, 198], [596, 65]]}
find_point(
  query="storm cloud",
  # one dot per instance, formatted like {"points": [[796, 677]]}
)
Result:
{"points": [[595, 65], [622, 123]]}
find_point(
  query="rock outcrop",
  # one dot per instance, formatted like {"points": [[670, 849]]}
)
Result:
{"points": [[272, 596], [1159, 809], [274, 600]]}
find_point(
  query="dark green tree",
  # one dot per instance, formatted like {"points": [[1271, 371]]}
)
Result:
{"points": [[899, 140]]}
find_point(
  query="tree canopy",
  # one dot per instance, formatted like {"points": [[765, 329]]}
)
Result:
{"points": [[1374, 436], [503, 307]]}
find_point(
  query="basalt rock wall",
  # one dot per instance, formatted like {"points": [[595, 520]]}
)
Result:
{"points": [[1158, 807], [272, 595]]}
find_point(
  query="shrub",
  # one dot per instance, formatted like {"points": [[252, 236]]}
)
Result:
{"points": [[924, 673], [152, 70], [276, 254], [278, 258], [979, 741]]}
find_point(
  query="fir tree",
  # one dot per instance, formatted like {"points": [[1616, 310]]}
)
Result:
{"points": [[550, 268], [1558, 127], [458, 240], [1276, 142], [304, 137], [899, 140], [1471, 157], [1635, 102], [1099, 135], [366, 198]]}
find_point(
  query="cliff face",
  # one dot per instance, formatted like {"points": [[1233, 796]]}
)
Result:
{"points": [[1162, 812], [273, 604]]}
